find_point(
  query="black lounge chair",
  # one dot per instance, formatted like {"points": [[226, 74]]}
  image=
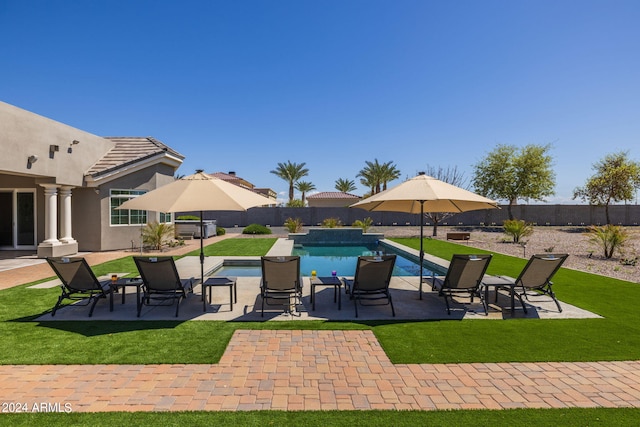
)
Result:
{"points": [[536, 276], [464, 276], [280, 280], [79, 283], [371, 282], [161, 282]]}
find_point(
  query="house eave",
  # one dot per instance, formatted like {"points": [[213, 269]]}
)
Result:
{"points": [[122, 170]]}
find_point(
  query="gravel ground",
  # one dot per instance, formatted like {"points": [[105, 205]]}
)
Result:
{"points": [[583, 255]]}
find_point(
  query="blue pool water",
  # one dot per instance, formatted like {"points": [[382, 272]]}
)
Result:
{"points": [[343, 259], [325, 259]]}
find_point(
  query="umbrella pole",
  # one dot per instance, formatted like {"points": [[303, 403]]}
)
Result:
{"points": [[421, 238], [201, 249]]}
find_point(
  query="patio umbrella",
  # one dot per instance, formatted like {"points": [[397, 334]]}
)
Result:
{"points": [[197, 192], [422, 194]]}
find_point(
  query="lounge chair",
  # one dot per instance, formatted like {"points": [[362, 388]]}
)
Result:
{"points": [[536, 276], [464, 276], [371, 282], [161, 282], [79, 283], [280, 280]]}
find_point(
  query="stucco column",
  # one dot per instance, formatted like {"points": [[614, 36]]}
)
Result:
{"points": [[50, 215], [65, 215]]}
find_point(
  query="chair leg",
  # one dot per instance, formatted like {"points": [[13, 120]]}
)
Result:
{"points": [[393, 311], [57, 306], [355, 303], [263, 298], [95, 301]]}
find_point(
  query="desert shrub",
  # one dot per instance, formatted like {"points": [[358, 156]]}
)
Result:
{"points": [[293, 225], [517, 229], [331, 223], [608, 238], [188, 218], [365, 224], [156, 234], [256, 229], [295, 203], [220, 231]]}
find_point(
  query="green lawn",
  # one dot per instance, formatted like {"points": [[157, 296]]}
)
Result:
{"points": [[615, 337]]}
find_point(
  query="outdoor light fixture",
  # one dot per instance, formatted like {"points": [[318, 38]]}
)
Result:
{"points": [[75, 142], [32, 159]]}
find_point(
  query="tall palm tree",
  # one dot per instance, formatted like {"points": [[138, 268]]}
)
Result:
{"points": [[376, 175], [304, 187], [345, 185], [291, 172], [389, 172]]}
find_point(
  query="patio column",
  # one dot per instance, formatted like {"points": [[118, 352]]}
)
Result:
{"points": [[65, 215], [50, 215]]}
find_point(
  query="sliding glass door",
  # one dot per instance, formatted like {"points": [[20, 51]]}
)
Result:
{"points": [[17, 219]]}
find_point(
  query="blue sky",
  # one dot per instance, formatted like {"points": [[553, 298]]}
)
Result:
{"points": [[242, 85]]}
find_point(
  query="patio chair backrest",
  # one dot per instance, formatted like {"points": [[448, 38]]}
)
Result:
{"points": [[281, 273], [373, 273], [74, 273], [540, 269], [158, 273], [466, 271]]}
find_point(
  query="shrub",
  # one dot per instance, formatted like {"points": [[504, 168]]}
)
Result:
{"points": [[156, 234], [256, 229], [295, 203], [220, 231], [293, 225], [188, 218], [365, 224], [331, 223], [517, 229], [608, 238]]}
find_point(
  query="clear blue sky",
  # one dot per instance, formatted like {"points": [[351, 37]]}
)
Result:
{"points": [[242, 85]]}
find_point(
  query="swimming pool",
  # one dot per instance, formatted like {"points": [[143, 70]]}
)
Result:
{"points": [[343, 259], [325, 259]]}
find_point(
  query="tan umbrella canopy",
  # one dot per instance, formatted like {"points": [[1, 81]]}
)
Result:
{"points": [[422, 194], [197, 192]]}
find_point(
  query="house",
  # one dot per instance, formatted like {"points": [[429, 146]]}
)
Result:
{"points": [[232, 178], [331, 199], [59, 186]]}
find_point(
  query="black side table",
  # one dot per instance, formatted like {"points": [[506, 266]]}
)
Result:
{"points": [[219, 281], [326, 281], [123, 283]]}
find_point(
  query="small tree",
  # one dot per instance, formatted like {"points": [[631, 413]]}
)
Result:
{"points": [[511, 173], [517, 229], [291, 172], [450, 176], [304, 187], [295, 203], [331, 222], [608, 237], [615, 180], [156, 234]]}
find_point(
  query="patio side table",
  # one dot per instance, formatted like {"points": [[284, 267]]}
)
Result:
{"points": [[216, 282], [123, 283], [326, 281], [496, 283]]}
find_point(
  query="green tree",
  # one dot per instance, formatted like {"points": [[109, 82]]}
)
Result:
{"points": [[452, 176], [345, 185], [376, 175], [304, 187], [511, 173], [616, 180], [291, 172]]}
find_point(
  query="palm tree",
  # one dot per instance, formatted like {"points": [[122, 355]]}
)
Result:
{"points": [[376, 175], [345, 185], [304, 187], [389, 172], [291, 172]]}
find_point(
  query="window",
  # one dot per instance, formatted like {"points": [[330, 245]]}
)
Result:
{"points": [[126, 217], [165, 218]]}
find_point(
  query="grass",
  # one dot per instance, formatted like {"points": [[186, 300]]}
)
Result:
{"points": [[615, 337], [514, 417]]}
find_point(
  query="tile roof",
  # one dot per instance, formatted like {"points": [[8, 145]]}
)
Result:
{"points": [[129, 150], [333, 195]]}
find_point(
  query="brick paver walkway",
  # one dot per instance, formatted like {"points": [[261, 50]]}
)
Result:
{"points": [[306, 370]]}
